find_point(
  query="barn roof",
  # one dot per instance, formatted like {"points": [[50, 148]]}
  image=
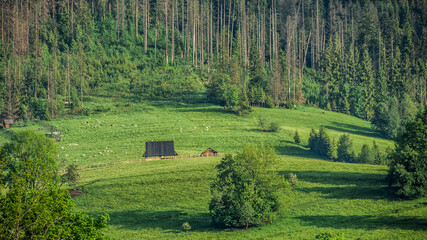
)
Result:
{"points": [[159, 148]]}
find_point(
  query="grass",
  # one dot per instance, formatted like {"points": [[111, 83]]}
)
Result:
{"points": [[151, 200], [121, 133]]}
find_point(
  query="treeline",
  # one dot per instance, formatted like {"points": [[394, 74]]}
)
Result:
{"points": [[342, 151], [355, 57]]}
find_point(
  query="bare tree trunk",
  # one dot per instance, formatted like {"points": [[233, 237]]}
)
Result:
{"points": [[68, 77], [173, 30], [72, 17], [156, 31], [166, 28], [136, 17], [118, 19]]}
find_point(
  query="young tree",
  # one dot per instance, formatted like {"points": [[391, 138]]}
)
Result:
{"points": [[344, 149], [246, 191], [297, 138], [365, 155], [408, 162]]}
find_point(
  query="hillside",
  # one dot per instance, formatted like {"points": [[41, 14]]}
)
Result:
{"points": [[120, 134], [151, 200]]}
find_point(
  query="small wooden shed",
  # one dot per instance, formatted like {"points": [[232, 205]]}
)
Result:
{"points": [[8, 122], [209, 152]]}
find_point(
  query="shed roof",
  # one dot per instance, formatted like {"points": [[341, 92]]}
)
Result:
{"points": [[159, 148]]}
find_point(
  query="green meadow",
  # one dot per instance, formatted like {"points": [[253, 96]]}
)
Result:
{"points": [[151, 200]]}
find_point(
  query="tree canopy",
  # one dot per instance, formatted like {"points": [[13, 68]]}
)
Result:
{"points": [[408, 162], [247, 191]]}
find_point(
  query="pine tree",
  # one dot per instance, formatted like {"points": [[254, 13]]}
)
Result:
{"points": [[367, 82]]}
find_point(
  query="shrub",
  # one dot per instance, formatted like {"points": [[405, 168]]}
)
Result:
{"points": [[274, 127], [186, 226], [263, 123], [246, 192], [269, 102], [292, 179], [289, 105], [408, 162], [297, 139], [344, 149], [72, 176]]}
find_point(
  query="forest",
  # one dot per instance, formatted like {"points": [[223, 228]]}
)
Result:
{"points": [[363, 58]]}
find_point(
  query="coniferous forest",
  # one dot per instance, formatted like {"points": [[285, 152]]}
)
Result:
{"points": [[363, 58]]}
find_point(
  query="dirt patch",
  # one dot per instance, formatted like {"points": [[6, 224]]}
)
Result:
{"points": [[76, 192]]}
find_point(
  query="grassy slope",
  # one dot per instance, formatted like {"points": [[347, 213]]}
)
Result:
{"points": [[150, 200], [120, 134], [153, 199]]}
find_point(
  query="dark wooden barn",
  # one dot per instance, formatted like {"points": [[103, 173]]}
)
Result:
{"points": [[159, 149], [209, 152]]}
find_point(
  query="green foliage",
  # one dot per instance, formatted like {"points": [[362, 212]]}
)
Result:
{"points": [[263, 123], [330, 236], [274, 127], [366, 155], [267, 126], [344, 150], [408, 162], [246, 191], [297, 138], [30, 149], [39, 108], [292, 179], [41, 209], [72, 175], [392, 115], [321, 144], [186, 226]]}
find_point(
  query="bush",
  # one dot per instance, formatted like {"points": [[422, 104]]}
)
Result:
{"points": [[274, 127], [263, 123], [246, 191], [292, 179], [269, 102], [268, 126], [297, 139], [72, 176], [408, 162], [289, 105], [186, 226]]}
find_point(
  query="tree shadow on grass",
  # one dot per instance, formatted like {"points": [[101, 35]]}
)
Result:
{"points": [[169, 221], [345, 185], [365, 222], [289, 148], [354, 129]]}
